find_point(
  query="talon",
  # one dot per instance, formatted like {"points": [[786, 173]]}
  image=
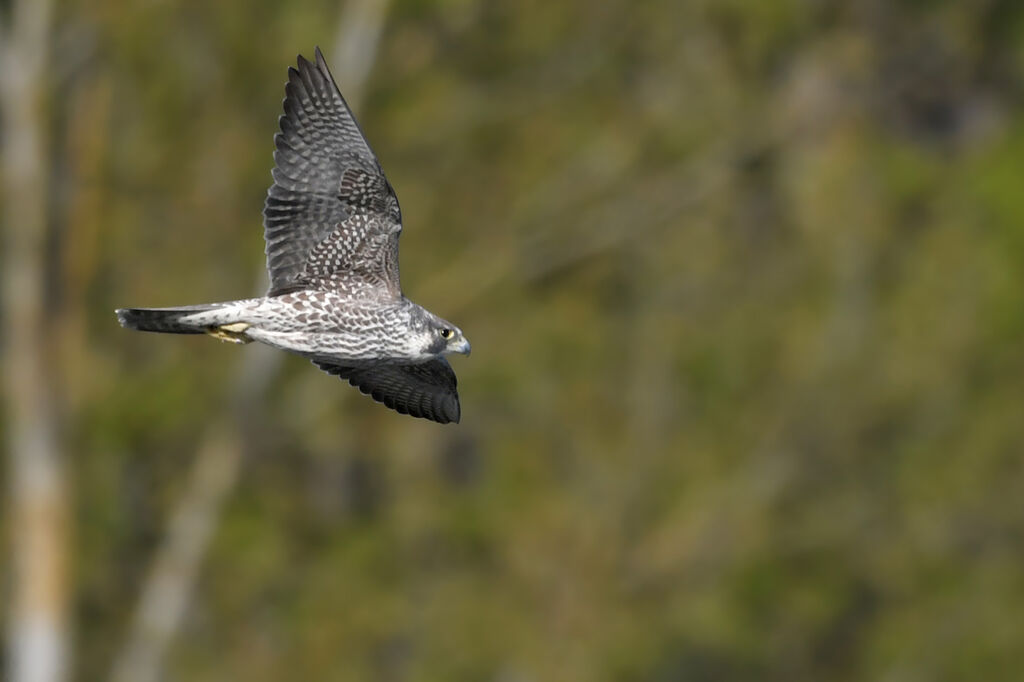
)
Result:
{"points": [[233, 333]]}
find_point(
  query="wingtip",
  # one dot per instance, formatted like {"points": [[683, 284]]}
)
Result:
{"points": [[321, 63], [318, 58], [453, 411]]}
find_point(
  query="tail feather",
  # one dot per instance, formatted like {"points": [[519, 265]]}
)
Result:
{"points": [[165, 320]]}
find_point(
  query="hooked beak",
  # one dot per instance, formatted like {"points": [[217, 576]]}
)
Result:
{"points": [[461, 347]]}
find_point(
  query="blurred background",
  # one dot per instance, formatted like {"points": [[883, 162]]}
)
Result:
{"points": [[743, 280]]}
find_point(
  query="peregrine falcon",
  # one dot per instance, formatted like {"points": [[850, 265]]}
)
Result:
{"points": [[331, 222]]}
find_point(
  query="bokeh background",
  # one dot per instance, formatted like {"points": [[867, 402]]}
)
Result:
{"points": [[745, 285]]}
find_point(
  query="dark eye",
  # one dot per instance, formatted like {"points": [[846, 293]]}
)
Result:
{"points": [[446, 333]]}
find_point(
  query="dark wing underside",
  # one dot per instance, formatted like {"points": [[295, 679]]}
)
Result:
{"points": [[331, 219], [426, 390]]}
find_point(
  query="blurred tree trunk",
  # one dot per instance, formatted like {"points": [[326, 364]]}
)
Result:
{"points": [[169, 584], [37, 648]]}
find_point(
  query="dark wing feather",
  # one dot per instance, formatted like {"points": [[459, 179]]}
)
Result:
{"points": [[331, 219], [426, 390]]}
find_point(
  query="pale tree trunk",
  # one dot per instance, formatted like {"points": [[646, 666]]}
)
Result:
{"points": [[169, 584], [37, 648]]}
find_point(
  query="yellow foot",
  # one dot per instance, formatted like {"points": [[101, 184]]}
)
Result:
{"points": [[235, 333]]}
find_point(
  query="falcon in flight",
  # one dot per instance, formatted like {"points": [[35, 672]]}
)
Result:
{"points": [[331, 221]]}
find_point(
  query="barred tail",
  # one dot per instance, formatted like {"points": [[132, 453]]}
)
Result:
{"points": [[165, 320]]}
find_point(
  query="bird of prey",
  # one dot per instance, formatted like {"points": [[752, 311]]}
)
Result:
{"points": [[331, 222]]}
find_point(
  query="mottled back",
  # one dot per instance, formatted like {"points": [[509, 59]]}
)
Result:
{"points": [[331, 218]]}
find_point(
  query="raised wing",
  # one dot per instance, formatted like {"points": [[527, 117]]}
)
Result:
{"points": [[426, 390], [331, 219]]}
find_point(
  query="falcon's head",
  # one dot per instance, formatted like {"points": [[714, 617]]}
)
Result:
{"points": [[440, 337]]}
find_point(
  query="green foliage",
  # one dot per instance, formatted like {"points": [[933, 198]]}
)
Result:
{"points": [[743, 282]]}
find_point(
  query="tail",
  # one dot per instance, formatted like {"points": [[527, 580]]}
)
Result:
{"points": [[165, 320]]}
